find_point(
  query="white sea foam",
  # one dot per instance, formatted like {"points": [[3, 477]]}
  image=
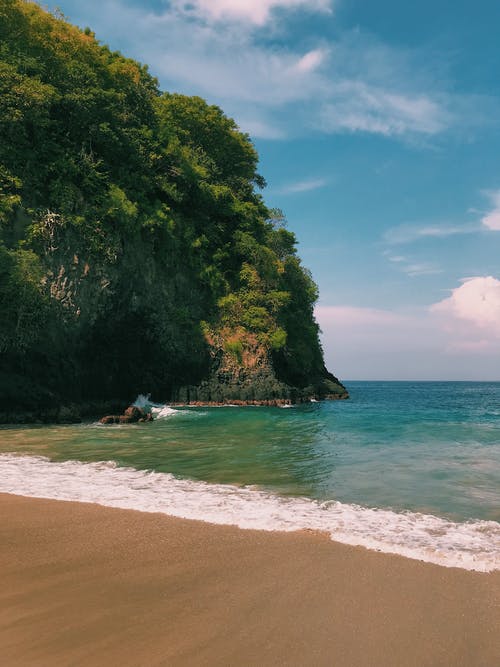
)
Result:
{"points": [[472, 545], [163, 411], [159, 410], [143, 401]]}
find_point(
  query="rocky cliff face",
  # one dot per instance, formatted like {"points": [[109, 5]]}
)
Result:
{"points": [[136, 252], [242, 372]]}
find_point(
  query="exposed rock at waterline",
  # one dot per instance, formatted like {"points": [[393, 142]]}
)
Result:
{"points": [[132, 415]]}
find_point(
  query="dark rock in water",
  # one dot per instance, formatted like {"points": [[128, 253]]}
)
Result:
{"points": [[132, 415], [126, 419], [110, 419]]}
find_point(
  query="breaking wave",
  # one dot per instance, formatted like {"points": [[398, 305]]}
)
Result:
{"points": [[158, 410], [473, 545]]}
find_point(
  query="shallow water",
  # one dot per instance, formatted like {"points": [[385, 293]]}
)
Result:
{"points": [[427, 449]]}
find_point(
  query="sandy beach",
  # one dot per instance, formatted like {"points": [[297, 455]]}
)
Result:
{"points": [[82, 584]]}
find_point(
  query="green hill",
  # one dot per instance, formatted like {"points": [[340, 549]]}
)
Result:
{"points": [[136, 252]]}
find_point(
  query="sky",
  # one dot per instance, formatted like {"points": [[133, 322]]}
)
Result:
{"points": [[378, 130]]}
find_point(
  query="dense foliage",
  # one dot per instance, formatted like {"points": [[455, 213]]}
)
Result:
{"points": [[135, 250]]}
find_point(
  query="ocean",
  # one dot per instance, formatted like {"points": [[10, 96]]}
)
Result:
{"points": [[411, 468]]}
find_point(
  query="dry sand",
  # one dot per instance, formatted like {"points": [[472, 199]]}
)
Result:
{"points": [[87, 585]]}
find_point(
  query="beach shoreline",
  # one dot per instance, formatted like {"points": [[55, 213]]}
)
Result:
{"points": [[83, 584]]}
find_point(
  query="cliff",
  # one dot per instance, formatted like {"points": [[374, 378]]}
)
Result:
{"points": [[136, 251]]}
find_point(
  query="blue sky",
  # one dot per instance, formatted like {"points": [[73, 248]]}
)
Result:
{"points": [[378, 128]]}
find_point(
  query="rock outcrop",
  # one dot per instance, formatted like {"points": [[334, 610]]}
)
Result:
{"points": [[132, 415]]}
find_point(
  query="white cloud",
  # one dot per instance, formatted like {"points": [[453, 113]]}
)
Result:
{"points": [[407, 233], [256, 83], [476, 302], [414, 269], [257, 12], [260, 128], [411, 267], [224, 50], [304, 186], [358, 106], [492, 219], [233, 70], [311, 60]]}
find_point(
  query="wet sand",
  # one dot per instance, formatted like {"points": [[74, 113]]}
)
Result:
{"points": [[87, 585]]}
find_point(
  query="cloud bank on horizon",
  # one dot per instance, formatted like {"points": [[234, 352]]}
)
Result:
{"points": [[461, 332], [379, 130]]}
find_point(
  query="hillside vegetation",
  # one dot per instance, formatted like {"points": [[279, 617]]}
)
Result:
{"points": [[136, 253]]}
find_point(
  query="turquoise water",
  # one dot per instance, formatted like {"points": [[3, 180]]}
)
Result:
{"points": [[431, 447]]}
